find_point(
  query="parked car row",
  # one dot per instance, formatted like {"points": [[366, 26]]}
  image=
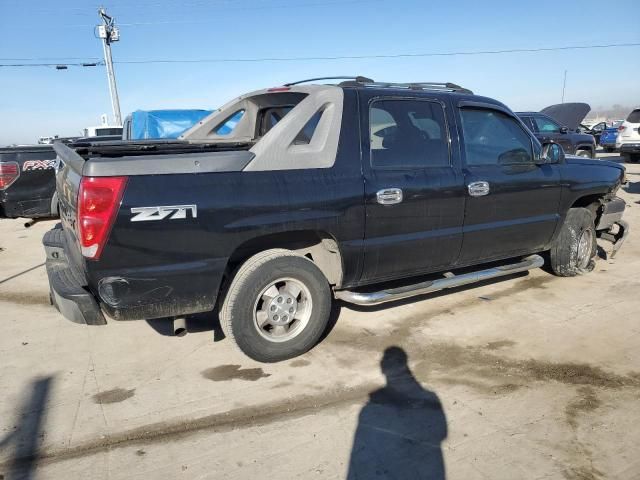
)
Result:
{"points": [[609, 136], [560, 124], [628, 140]]}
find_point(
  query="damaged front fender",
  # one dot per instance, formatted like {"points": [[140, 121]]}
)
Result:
{"points": [[616, 234]]}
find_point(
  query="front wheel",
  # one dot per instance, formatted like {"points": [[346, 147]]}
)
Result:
{"points": [[277, 306], [574, 251]]}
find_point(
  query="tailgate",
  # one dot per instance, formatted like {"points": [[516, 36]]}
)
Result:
{"points": [[67, 186]]}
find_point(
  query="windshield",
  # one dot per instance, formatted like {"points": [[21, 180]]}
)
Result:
{"points": [[108, 131]]}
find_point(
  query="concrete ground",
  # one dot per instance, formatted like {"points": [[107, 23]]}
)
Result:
{"points": [[525, 378]]}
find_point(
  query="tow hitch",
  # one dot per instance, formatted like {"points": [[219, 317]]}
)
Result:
{"points": [[616, 234]]}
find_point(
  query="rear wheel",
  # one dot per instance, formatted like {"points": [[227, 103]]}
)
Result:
{"points": [[574, 251], [630, 157], [608, 149], [584, 153], [277, 306]]}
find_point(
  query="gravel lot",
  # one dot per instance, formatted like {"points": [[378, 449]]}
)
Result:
{"points": [[524, 378]]}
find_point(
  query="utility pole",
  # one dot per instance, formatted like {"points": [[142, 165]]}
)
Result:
{"points": [[109, 33], [564, 85]]}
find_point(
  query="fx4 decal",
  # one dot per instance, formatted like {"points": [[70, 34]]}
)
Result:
{"points": [[39, 165], [172, 212]]}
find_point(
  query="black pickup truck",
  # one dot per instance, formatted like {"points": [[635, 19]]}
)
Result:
{"points": [[289, 197], [28, 182]]}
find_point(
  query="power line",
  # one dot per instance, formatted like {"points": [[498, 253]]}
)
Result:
{"points": [[225, 6], [45, 59], [82, 64], [352, 57]]}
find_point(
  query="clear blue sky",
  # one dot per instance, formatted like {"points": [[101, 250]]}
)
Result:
{"points": [[43, 101]]}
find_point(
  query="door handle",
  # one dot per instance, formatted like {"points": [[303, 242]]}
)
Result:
{"points": [[389, 196], [478, 189]]}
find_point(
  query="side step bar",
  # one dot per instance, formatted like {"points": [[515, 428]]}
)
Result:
{"points": [[451, 281]]}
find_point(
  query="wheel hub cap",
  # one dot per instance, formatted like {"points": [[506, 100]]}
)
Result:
{"points": [[282, 309], [584, 249]]}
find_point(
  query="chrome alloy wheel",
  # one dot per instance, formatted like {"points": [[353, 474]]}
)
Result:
{"points": [[282, 310], [585, 244]]}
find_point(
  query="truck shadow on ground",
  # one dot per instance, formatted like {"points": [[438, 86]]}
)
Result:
{"points": [[400, 429], [26, 438], [209, 322], [202, 322]]}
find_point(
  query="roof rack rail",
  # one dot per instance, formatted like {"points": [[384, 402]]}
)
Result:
{"points": [[357, 79], [440, 86], [364, 81]]}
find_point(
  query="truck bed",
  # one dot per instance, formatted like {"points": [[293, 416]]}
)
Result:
{"points": [[153, 147]]}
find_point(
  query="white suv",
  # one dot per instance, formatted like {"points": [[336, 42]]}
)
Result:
{"points": [[628, 141]]}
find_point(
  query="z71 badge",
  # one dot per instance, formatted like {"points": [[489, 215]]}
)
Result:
{"points": [[171, 212]]}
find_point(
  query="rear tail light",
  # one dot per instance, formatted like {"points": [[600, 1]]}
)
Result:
{"points": [[9, 173], [621, 128], [98, 203]]}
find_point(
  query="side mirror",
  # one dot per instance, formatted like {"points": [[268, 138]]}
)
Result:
{"points": [[564, 130], [551, 153]]}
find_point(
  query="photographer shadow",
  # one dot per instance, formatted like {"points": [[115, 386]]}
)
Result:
{"points": [[400, 429]]}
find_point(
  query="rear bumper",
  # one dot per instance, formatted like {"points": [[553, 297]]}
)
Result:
{"points": [[27, 209], [629, 148], [67, 286], [134, 294]]}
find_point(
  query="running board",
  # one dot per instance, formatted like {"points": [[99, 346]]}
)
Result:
{"points": [[451, 281]]}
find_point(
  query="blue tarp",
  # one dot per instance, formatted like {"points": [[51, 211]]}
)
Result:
{"points": [[163, 123]]}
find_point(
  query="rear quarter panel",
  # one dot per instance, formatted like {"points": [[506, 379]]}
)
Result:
{"points": [[184, 259]]}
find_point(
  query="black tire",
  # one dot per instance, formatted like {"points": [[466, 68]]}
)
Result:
{"points": [[566, 261], [246, 292], [630, 157], [609, 149]]}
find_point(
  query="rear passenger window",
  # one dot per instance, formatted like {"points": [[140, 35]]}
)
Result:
{"points": [[408, 134], [494, 138], [634, 117]]}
